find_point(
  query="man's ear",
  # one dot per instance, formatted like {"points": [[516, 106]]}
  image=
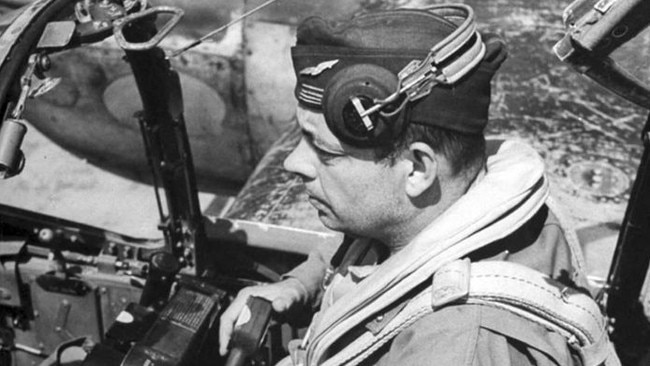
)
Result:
{"points": [[424, 169]]}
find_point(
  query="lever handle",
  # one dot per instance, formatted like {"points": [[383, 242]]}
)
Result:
{"points": [[250, 330], [162, 271], [119, 25]]}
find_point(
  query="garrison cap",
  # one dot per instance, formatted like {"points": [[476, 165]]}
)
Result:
{"points": [[392, 39]]}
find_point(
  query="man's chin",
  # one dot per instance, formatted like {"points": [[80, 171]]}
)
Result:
{"points": [[326, 215]]}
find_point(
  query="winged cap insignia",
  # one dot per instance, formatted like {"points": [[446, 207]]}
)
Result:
{"points": [[316, 70]]}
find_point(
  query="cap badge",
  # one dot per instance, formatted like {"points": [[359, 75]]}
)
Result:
{"points": [[316, 70]]}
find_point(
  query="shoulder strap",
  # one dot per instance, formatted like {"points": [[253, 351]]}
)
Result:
{"points": [[534, 296], [513, 287]]}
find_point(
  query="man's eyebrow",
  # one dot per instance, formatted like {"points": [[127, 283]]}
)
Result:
{"points": [[314, 140]]}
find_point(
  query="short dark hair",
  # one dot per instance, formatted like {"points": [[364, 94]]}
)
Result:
{"points": [[465, 152]]}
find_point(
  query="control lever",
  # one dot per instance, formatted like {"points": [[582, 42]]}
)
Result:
{"points": [[250, 330], [119, 25], [163, 268]]}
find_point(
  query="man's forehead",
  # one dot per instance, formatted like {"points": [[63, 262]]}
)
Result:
{"points": [[309, 120], [315, 128], [313, 124]]}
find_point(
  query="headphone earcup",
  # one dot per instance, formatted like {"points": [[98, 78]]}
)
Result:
{"points": [[367, 82]]}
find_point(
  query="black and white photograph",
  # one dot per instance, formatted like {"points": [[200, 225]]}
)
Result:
{"points": [[324, 182]]}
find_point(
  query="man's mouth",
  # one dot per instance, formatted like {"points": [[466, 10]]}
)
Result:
{"points": [[317, 203]]}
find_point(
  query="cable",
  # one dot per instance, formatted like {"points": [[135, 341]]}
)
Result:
{"points": [[218, 30]]}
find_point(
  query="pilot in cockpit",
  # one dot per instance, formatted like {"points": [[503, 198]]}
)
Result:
{"points": [[453, 254]]}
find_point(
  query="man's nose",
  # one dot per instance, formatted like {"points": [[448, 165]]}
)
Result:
{"points": [[300, 161]]}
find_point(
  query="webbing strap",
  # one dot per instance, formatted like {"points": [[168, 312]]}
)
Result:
{"points": [[513, 287], [537, 297]]}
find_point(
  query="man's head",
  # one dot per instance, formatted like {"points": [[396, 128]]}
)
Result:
{"points": [[399, 167]]}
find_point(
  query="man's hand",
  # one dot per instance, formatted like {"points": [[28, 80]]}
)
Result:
{"points": [[283, 295]]}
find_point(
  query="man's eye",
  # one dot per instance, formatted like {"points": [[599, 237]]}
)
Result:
{"points": [[323, 155], [326, 155]]}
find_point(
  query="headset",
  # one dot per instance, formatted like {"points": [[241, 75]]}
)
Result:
{"points": [[362, 103]]}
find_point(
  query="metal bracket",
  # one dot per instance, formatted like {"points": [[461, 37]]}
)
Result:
{"points": [[119, 25]]}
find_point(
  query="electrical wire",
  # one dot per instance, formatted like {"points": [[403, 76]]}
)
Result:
{"points": [[218, 30]]}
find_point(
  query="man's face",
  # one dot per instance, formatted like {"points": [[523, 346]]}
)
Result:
{"points": [[352, 192]]}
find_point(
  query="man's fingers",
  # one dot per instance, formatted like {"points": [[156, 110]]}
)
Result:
{"points": [[225, 330], [224, 339], [228, 319], [281, 295], [281, 304]]}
